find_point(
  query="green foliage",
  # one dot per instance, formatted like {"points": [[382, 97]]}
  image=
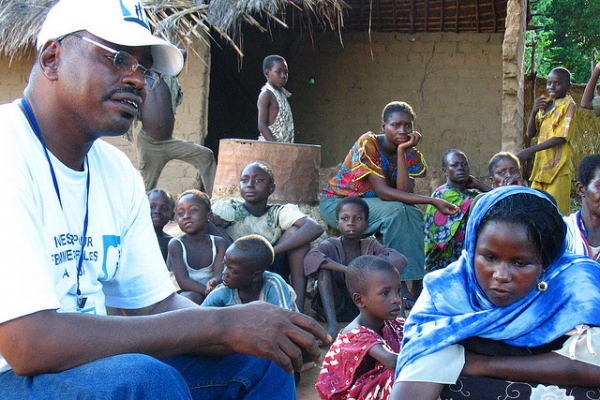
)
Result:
{"points": [[568, 32]]}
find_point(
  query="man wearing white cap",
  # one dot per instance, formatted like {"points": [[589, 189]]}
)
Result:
{"points": [[82, 242]]}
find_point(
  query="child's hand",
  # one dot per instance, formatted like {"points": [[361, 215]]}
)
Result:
{"points": [[211, 284], [445, 207], [540, 103], [525, 154]]}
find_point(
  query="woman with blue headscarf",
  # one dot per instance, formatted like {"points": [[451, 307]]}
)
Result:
{"points": [[506, 305]]}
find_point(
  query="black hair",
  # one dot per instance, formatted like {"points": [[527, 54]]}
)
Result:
{"points": [[545, 226], [495, 160], [356, 273], [587, 168], [452, 151], [397, 106], [352, 200], [168, 196], [265, 167], [565, 73], [270, 60], [197, 195], [256, 249]]}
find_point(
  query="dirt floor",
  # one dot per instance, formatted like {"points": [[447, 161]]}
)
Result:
{"points": [[305, 390]]}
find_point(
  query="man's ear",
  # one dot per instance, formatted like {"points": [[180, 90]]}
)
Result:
{"points": [[358, 300], [272, 188], [48, 59]]}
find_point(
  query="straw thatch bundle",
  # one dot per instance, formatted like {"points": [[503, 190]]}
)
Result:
{"points": [[180, 20]]}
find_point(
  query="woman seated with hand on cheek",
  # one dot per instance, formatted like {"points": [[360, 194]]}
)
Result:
{"points": [[515, 306]]}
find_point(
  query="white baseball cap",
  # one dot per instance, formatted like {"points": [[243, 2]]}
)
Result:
{"points": [[122, 22]]}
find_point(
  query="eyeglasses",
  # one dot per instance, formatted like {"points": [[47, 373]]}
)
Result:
{"points": [[126, 63]]}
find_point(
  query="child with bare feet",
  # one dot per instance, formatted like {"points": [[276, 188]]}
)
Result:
{"points": [[196, 258], [360, 363], [328, 262]]}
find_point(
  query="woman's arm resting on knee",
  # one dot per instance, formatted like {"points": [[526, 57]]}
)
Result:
{"points": [[547, 368]]}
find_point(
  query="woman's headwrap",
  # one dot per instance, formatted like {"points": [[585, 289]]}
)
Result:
{"points": [[453, 307]]}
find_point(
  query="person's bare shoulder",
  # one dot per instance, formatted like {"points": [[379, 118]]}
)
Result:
{"points": [[265, 98]]}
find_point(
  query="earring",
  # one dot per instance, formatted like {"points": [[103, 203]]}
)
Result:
{"points": [[542, 286]]}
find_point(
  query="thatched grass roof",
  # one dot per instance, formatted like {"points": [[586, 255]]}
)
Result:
{"points": [[180, 20]]}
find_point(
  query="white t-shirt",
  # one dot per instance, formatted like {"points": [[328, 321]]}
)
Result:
{"points": [[122, 266], [575, 243]]}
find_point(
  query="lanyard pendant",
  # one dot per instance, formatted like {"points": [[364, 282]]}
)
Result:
{"points": [[81, 301]]}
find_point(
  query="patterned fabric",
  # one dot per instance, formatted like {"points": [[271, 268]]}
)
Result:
{"points": [[444, 234], [283, 127], [477, 388], [559, 122], [347, 371], [364, 158], [238, 222], [452, 306]]}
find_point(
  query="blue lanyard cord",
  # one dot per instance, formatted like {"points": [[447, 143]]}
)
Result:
{"points": [[36, 130], [34, 125]]}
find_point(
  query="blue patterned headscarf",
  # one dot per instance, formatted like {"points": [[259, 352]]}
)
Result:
{"points": [[452, 306]]}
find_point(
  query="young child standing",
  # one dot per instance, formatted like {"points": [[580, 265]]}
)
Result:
{"points": [[246, 279], [328, 262], [288, 229], [381, 169], [275, 121], [444, 234], [360, 363], [552, 120], [196, 258], [161, 211]]}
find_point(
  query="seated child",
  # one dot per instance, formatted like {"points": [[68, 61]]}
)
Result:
{"points": [[246, 279], [444, 234], [161, 211], [328, 262], [196, 258], [504, 169], [360, 363], [289, 231]]}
